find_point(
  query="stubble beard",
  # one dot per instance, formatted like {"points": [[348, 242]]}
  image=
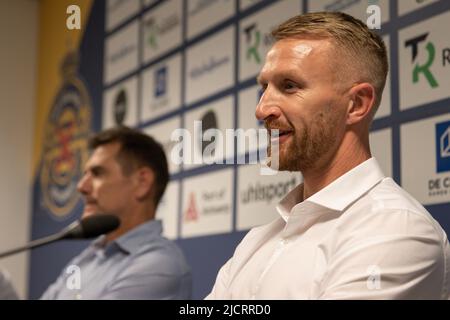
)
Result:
{"points": [[307, 145]]}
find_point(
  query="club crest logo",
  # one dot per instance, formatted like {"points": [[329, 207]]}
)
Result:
{"points": [[65, 148]]}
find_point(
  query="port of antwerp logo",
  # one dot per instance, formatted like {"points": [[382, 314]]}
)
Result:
{"points": [[443, 146], [191, 213], [423, 69], [65, 146]]}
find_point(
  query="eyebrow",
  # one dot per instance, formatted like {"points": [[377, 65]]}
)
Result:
{"points": [[293, 76], [95, 168]]}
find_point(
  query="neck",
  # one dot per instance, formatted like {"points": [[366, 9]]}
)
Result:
{"points": [[350, 154], [129, 221]]}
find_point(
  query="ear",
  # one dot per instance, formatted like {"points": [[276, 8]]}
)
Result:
{"points": [[362, 101], [145, 179]]}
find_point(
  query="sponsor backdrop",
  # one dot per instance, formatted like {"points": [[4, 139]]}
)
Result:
{"points": [[164, 65]]}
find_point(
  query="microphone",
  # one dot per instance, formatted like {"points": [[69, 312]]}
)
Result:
{"points": [[89, 227]]}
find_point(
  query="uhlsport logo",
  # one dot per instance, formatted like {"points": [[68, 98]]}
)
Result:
{"points": [[260, 192], [65, 147], [423, 69], [443, 146]]}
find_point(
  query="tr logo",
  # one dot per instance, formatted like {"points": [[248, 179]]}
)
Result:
{"points": [[425, 68]]}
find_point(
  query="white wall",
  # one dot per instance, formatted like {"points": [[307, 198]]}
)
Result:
{"points": [[18, 38]]}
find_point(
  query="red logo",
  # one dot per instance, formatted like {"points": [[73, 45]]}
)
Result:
{"points": [[191, 213]]}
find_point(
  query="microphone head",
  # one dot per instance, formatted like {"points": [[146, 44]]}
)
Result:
{"points": [[92, 226]]}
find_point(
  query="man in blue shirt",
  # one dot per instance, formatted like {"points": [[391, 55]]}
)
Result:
{"points": [[126, 175], [7, 290]]}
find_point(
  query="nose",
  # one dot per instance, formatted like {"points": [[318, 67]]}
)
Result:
{"points": [[84, 185], [268, 105]]}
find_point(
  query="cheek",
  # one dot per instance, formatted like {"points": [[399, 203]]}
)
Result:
{"points": [[104, 189]]}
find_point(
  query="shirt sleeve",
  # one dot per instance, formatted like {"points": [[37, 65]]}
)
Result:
{"points": [[159, 276], [376, 261], [150, 287], [7, 291]]}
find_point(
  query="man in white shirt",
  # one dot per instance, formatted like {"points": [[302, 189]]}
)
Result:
{"points": [[347, 232]]}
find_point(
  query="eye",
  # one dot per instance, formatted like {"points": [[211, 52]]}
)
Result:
{"points": [[96, 171], [263, 87], [290, 86]]}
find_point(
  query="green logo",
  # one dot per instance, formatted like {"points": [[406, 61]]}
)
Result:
{"points": [[253, 40], [425, 68], [151, 33]]}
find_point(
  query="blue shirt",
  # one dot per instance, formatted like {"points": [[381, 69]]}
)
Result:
{"points": [[140, 264]]}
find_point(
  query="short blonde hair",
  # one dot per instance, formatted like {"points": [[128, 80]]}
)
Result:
{"points": [[363, 51]]}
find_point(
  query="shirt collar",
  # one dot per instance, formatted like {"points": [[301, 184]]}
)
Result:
{"points": [[131, 241], [339, 194]]}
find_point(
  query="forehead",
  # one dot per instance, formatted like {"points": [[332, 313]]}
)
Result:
{"points": [[306, 55], [104, 155]]}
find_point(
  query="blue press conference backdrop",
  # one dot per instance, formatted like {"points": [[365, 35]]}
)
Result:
{"points": [[162, 65]]}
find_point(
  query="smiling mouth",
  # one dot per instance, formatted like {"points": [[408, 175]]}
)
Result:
{"points": [[281, 136]]}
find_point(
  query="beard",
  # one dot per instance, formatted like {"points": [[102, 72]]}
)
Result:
{"points": [[306, 146]]}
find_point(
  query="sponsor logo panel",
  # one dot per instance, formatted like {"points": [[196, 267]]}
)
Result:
{"points": [[162, 29], [210, 66], [258, 195], [117, 11], [207, 204], [120, 105], [424, 62], [204, 14], [121, 53], [254, 35], [216, 115], [161, 88], [425, 154]]}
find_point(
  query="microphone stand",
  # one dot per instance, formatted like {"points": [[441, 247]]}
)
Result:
{"points": [[34, 244]]}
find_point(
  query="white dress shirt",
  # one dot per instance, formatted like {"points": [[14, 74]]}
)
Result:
{"points": [[360, 237]]}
